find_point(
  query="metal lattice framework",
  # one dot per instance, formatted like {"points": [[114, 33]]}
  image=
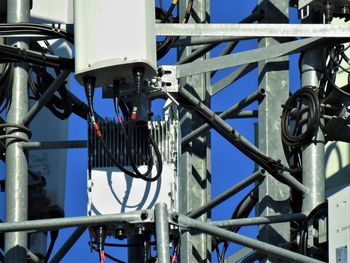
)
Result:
{"points": [[277, 40]]}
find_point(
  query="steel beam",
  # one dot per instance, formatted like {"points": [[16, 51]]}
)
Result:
{"points": [[194, 166], [58, 223], [232, 77], [257, 95], [54, 145], [162, 232], [247, 57], [16, 159], [55, 85], [262, 220], [227, 194], [68, 244], [263, 247], [254, 30], [274, 79]]}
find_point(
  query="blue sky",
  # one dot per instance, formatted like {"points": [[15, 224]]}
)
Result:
{"points": [[229, 166]]}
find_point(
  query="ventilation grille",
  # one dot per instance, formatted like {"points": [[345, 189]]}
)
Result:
{"points": [[163, 132]]}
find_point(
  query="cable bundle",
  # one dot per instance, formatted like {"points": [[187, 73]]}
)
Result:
{"points": [[300, 117]]}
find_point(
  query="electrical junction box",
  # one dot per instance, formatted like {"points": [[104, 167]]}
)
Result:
{"points": [[110, 191], [339, 226], [112, 38]]}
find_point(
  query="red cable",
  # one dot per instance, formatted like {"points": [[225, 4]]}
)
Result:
{"points": [[102, 256]]}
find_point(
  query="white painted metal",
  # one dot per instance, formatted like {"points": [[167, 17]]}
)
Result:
{"points": [[112, 38], [339, 226], [52, 11]]}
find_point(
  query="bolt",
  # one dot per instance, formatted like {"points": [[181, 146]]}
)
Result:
{"points": [[144, 215], [175, 216]]}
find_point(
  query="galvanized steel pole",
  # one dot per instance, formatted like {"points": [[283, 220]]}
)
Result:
{"points": [[16, 161], [162, 232]]}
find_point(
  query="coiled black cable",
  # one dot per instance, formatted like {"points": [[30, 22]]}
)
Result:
{"points": [[300, 117]]}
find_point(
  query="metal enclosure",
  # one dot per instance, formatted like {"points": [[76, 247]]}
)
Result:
{"points": [[108, 51], [338, 226]]}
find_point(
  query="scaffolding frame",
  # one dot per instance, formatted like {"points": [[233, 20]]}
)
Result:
{"points": [[193, 217]]}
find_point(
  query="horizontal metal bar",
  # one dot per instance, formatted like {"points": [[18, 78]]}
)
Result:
{"points": [[247, 57], [194, 41], [226, 195], [54, 145], [259, 220], [255, 30], [55, 85], [257, 95], [242, 114], [231, 78], [68, 244], [239, 255], [57, 223], [243, 240]]}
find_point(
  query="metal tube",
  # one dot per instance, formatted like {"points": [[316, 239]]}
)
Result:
{"points": [[232, 77], [234, 137], [57, 223], [243, 240], [54, 145], [246, 57], [242, 114], [194, 41], [313, 154], [68, 244], [257, 95], [16, 161], [262, 220], [227, 194], [45, 97], [33, 258], [204, 49], [162, 232]]}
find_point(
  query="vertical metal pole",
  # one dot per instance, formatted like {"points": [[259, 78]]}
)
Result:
{"points": [[194, 171], [313, 154], [162, 232], [16, 160], [274, 79]]}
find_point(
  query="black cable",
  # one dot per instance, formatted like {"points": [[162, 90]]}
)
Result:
{"points": [[169, 12], [302, 108], [35, 29], [328, 77], [243, 209], [15, 54], [89, 90], [321, 208]]}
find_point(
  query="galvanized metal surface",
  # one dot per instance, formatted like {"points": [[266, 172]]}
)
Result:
{"points": [[256, 31], [246, 57], [313, 154], [162, 232], [16, 160], [274, 79], [194, 160], [266, 248], [57, 223]]}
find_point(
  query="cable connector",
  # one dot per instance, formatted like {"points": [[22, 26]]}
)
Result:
{"points": [[134, 113], [97, 129]]}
